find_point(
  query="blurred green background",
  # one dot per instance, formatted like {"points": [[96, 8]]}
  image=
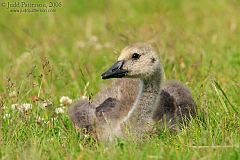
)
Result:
{"points": [[55, 54]]}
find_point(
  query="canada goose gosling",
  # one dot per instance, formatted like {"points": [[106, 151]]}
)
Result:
{"points": [[132, 103]]}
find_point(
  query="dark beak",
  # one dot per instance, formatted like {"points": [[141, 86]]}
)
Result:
{"points": [[115, 71]]}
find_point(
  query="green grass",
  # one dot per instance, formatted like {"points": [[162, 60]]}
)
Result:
{"points": [[56, 54]]}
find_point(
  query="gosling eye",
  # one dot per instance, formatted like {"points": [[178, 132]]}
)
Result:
{"points": [[135, 56]]}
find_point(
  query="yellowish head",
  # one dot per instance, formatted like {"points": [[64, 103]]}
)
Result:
{"points": [[138, 60]]}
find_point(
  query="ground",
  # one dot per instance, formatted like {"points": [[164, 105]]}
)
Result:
{"points": [[45, 56]]}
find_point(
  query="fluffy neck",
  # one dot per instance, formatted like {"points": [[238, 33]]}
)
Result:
{"points": [[145, 104]]}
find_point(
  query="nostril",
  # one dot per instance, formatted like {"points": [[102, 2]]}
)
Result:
{"points": [[114, 69]]}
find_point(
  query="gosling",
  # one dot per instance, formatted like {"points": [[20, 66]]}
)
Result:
{"points": [[137, 100]]}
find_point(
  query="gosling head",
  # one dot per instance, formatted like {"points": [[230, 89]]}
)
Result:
{"points": [[138, 60]]}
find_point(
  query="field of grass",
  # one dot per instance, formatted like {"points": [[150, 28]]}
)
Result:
{"points": [[44, 56]]}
